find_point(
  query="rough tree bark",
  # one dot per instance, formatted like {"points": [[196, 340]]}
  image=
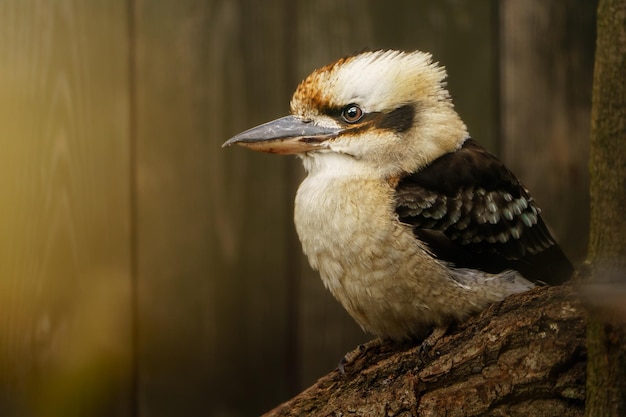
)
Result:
{"points": [[606, 383], [524, 356]]}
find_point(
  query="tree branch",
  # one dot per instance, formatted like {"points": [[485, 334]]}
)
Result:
{"points": [[523, 356]]}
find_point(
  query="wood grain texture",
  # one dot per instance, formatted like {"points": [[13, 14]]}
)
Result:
{"points": [[212, 254], [65, 293], [463, 37], [111, 119], [546, 71]]}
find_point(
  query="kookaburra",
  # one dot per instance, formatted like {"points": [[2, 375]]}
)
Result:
{"points": [[410, 223]]}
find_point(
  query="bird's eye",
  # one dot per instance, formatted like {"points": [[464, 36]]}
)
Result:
{"points": [[352, 113]]}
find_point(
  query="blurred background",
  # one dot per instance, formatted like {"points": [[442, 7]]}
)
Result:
{"points": [[145, 271]]}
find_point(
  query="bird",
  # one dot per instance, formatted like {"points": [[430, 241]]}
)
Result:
{"points": [[410, 222]]}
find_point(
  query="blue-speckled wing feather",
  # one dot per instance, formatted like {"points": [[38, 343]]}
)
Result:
{"points": [[473, 212]]}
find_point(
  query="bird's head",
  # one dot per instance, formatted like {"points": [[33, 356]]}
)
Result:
{"points": [[383, 113]]}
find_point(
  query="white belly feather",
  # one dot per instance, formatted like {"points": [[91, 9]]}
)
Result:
{"points": [[384, 277]]}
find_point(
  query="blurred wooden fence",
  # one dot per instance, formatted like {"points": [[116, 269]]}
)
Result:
{"points": [[145, 271]]}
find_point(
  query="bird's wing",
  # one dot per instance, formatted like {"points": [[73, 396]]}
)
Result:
{"points": [[473, 212]]}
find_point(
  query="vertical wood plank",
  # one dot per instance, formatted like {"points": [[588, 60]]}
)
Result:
{"points": [[326, 30], [547, 65], [65, 280], [463, 37], [211, 222]]}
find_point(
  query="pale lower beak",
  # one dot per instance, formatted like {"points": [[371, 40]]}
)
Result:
{"points": [[287, 135]]}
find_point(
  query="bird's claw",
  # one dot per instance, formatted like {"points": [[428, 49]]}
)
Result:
{"points": [[426, 346], [354, 354]]}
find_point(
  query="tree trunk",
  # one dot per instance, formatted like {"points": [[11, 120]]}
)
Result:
{"points": [[606, 383], [524, 356]]}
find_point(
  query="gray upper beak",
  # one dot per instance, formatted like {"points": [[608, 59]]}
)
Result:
{"points": [[287, 135]]}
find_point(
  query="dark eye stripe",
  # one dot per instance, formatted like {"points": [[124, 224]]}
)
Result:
{"points": [[398, 120]]}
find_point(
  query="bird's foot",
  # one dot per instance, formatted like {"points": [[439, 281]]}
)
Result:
{"points": [[428, 343], [351, 356]]}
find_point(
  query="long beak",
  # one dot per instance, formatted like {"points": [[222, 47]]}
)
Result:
{"points": [[287, 135]]}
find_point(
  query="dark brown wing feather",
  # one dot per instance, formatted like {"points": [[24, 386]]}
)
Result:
{"points": [[474, 213]]}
